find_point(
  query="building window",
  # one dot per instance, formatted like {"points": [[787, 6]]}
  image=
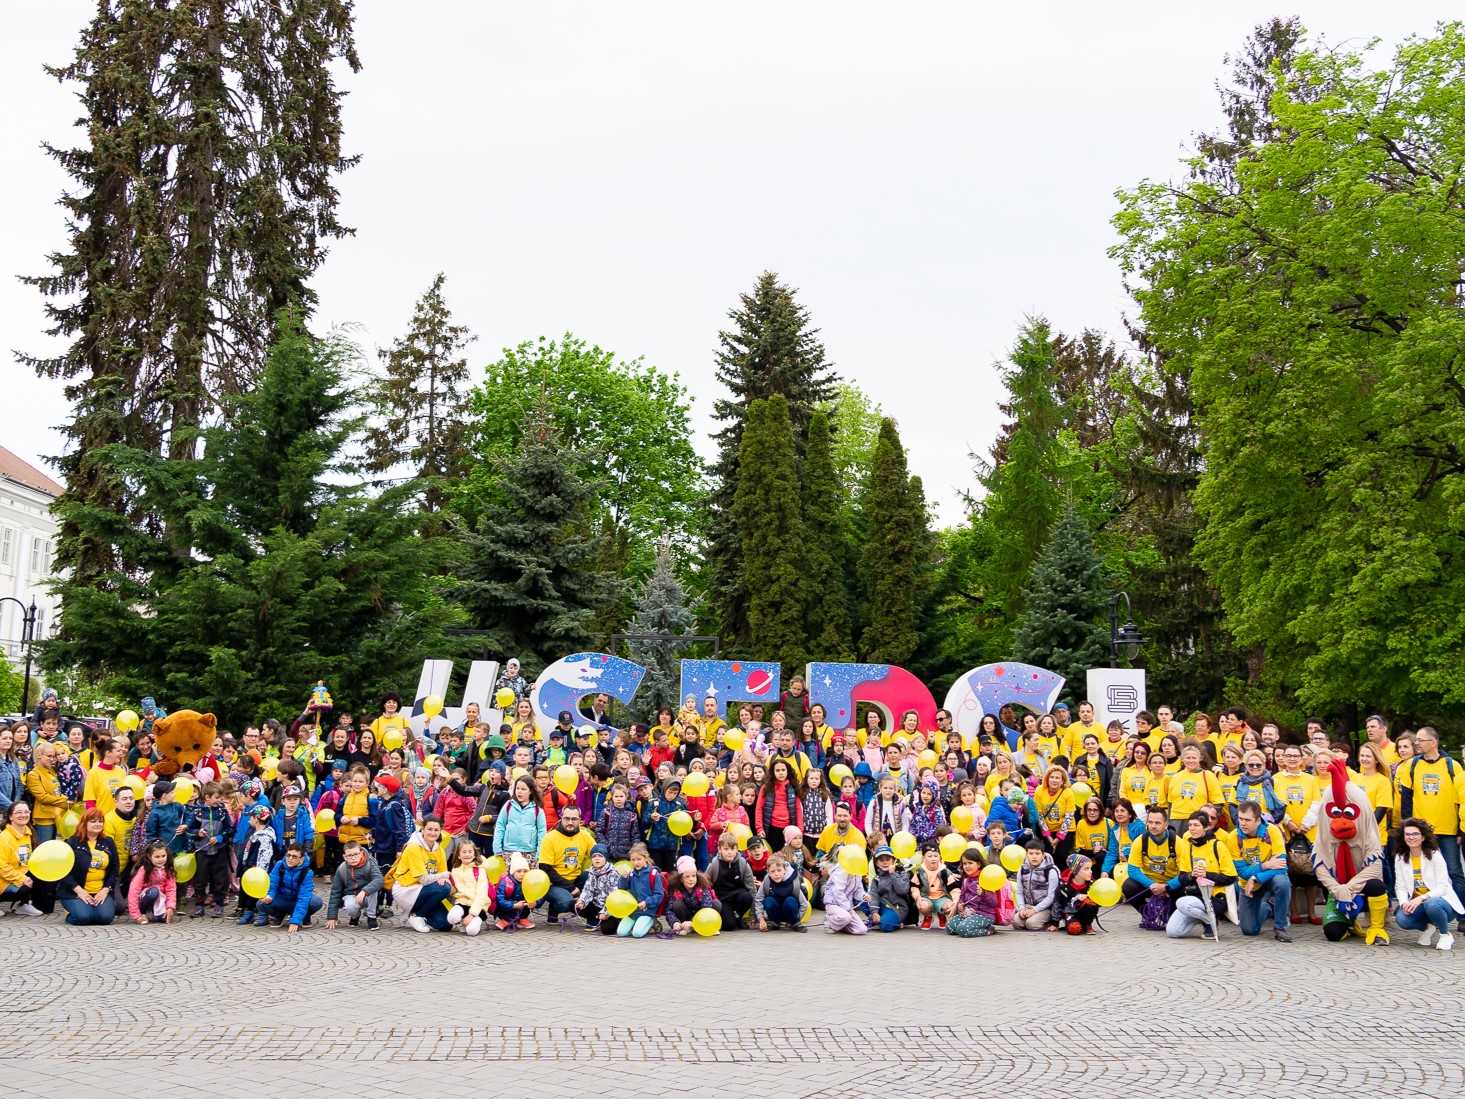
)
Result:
{"points": [[40, 627], [36, 555], [5, 537]]}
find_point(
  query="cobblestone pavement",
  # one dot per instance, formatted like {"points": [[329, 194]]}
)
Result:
{"points": [[210, 1008]]}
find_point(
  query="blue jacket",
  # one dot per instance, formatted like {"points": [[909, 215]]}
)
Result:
{"points": [[304, 827], [292, 887], [11, 784], [391, 828], [1113, 856], [212, 832], [242, 829], [518, 829], [508, 894], [1002, 810], [647, 886], [163, 823], [658, 833]]}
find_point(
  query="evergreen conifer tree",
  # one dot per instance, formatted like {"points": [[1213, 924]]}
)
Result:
{"points": [[826, 590], [529, 578], [422, 400], [892, 571], [772, 348], [1061, 630], [766, 510], [664, 608]]}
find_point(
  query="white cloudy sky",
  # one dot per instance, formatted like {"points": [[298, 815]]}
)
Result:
{"points": [[926, 175]]}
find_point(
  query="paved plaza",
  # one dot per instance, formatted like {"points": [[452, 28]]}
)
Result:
{"points": [[210, 1009]]}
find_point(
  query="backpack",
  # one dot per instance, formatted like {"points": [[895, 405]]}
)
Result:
{"points": [[1156, 912], [70, 778]]}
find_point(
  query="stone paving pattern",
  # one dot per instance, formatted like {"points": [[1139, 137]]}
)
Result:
{"points": [[211, 1009]]}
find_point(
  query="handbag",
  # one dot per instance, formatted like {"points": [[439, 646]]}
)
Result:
{"points": [[1299, 854], [1157, 912]]}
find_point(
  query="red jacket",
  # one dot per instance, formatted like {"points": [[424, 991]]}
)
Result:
{"points": [[454, 810], [657, 756], [721, 817]]}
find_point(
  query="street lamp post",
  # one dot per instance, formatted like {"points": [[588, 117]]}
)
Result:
{"points": [[27, 635], [1126, 637]]}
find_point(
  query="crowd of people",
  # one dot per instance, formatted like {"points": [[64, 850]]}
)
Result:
{"points": [[708, 820]]}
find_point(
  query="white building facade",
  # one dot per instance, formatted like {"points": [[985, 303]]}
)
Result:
{"points": [[27, 549]]}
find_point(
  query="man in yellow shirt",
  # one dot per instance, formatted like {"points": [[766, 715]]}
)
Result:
{"points": [[1153, 868], [1259, 853], [1074, 734], [835, 836], [1378, 735], [1431, 786], [564, 854]]}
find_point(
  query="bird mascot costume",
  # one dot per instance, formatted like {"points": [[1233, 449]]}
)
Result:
{"points": [[1349, 860]]}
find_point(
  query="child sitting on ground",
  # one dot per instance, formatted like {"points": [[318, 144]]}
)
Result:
{"points": [[780, 899], [1072, 909], [644, 883], [153, 894], [890, 891], [976, 910], [932, 889], [690, 892], [601, 880], [471, 895], [509, 904]]}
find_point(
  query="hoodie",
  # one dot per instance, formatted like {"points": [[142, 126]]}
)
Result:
{"points": [[892, 889]]}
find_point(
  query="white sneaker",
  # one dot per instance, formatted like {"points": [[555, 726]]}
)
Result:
{"points": [[473, 926], [1426, 936], [28, 910], [417, 923], [1446, 942]]}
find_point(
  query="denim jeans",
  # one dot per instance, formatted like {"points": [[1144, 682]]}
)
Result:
{"points": [[1450, 848], [284, 912], [1434, 912], [44, 832], [429, 905], [561, 900], [1271, 901], [80, 913], [782, 910]]}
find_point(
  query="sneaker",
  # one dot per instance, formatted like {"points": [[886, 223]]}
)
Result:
{"points": [[417, 923], [27, 909], [1281, 936], [473, 926], [216, 912], [198, 912], [1446, 942], [372, 924], [354, 920], [525, 924], [262, 920], [926, 924], [590, 928], [800, 928], [245, 918], [1426, 936], [502, 925]]}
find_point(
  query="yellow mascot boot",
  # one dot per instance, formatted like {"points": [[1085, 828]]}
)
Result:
{"points": [[1378, 915]]}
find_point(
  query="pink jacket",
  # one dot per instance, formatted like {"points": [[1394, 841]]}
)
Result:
{"points": [[159, 878], [454, 809]]}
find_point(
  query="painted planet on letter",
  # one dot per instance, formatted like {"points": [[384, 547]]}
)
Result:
{"points": [[759, 682]]}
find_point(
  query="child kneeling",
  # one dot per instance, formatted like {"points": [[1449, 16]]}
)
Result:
{"points": [[779, 899]]}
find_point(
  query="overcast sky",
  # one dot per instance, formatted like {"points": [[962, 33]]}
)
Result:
{"points": [[925, 174]]}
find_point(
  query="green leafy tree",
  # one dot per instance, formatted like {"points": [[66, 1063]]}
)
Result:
{"points": [[665, 609], [421, 401], [772, 349], [892, 568], [1061, 628], [1314, 306], [199, 206], [854, 424], [298, 573], [827, 627], [628, 421], [767, 510], [11, 684], [529, 578]]}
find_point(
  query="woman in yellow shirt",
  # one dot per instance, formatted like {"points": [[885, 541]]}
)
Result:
{"points": [[1002, 767], [1298, 790], [1091, 834], [17, 887], [1229, 775], [420, 880], [1190, 788], [1373, 775], [391, 719], [1155, 791], [1134, 778], [103, 779], [88, 891], [1056, 810], [1170, 750]]}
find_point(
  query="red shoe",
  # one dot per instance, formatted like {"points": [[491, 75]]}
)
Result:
{"points": [[502, 925], [942, 921], [524, 924], [926, 924], [1314, 920]]}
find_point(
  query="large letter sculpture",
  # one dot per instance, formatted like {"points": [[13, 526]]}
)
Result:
{"points": [[730, 681], [563, 684], [987, 689], [890, 689], [434, 680]]}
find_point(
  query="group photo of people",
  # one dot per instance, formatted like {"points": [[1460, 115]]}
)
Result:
{"points": [[718, 819]]}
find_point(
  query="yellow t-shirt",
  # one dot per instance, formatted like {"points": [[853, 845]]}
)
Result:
{"points": [[1380, 790], [1155, 793], [830, 838], [1073, 737], [1439, 792], [1419, 887], [1055, 809], [101, 784], [1093, 838], [1297, 792], [97, 871], [1134, 782], [1189, 790], [116, 829]]}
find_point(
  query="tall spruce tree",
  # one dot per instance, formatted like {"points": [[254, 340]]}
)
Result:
{"points": [[771, 349], [766, 510], [421, 400], [664, 608], [892, 571], [299, 574], [200, 206], [825, 576], [529, 578], [1061, 628]]}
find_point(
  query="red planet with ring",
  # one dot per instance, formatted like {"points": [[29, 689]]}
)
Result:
{"points": [[759, 682]]}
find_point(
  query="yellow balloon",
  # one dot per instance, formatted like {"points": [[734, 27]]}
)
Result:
{"points": [[536, 885], [325, 820], [1121, 873], [67, 825], [135, 784], [1105, 892], [719, 780], [952, 845], [852, 860], [1082, 791], [837, 774], [962, 819], [182, 790], [255, 882], [505, 698], [1013, 856], [695, 785], [270, 769], [620, 903], [127, 721], [926, 759], [733, 738], [184, 867], [679, 823], [392, 739], [432, 705], [623, 868], [494, 868], [707, 922], [903, 844], [992, 878], [51, 861], [566, 778], [742, 832]]}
